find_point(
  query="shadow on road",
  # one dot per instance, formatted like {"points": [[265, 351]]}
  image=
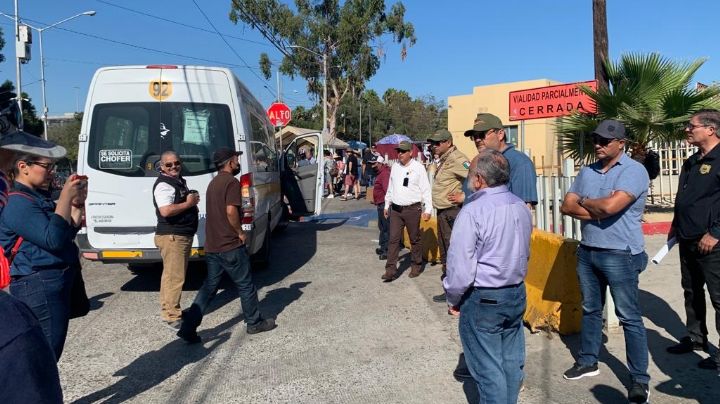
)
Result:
{"points": [[686, 379], [152, 368], [96, 301]]}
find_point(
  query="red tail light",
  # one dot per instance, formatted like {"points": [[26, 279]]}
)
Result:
{"points": [[248, 198]]}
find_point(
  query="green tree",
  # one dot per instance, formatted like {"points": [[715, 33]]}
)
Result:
{"points": [[650, 94], [31, 123], [346, 36], [66, 135]]}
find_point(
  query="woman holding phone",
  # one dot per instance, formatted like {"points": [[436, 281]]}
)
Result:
{"points": [[47, 261]]}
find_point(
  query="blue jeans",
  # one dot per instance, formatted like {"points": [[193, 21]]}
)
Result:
{"points": [[597, 269], [493, 341], [47, 293], [384, 227], [237, 265]]}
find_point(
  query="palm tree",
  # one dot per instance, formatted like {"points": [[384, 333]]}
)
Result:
{"points": [[650, 94]]}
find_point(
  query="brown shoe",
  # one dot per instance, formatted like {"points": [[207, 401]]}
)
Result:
{"points": [[415, 273], [389, 276]]}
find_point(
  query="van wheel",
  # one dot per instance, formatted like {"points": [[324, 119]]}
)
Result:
{"points": [[261, 259]]}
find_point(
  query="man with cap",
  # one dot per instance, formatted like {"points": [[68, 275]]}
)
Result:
{"points": [[351, 172], [177, 222], [407, 198], [382, 180], [225, 250], [488, 132], [608, 197], [450, 174]]}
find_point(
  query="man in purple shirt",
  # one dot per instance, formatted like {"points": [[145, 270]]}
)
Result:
{"points": [[486, 266]]}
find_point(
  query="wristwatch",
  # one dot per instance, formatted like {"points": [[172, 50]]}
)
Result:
{"points": [[582, 200]]}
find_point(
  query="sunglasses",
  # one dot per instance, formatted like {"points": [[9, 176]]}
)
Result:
{"points": [[172, 164], [481, 135], [601, 141], [46, 166], [434, 143], [403, 151]]}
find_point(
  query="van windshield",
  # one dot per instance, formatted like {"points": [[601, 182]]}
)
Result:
{"points": [[128, 138]]}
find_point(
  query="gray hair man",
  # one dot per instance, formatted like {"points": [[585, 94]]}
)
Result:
{"points": [[486, 267]]}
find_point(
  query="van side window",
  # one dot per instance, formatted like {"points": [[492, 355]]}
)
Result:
{"points": [[264, 156]]}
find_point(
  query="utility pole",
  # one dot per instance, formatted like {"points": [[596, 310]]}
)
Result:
{"points": [[18, 81], [600, 41], [360, 122]]}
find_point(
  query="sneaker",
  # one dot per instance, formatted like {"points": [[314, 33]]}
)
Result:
{"points": [[639, 393], [579, 371], [462, 373], [264, 325], [378, 251], [382, 257], [331, 196], [439, 298], [173, 325], [687, 345], [189, 335]]}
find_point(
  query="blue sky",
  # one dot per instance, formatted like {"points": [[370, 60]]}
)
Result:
{"points": [[461, 43]]}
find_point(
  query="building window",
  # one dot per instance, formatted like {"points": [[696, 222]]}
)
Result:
{"points": [[511, 134]]}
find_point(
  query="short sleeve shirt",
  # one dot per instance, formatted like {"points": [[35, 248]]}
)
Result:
{"points": [[220, 236], [164, 194], [623, 230]]}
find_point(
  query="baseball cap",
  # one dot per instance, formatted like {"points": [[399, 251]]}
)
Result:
{"points": [[483, 123], [404, 146], [224, 154], [376, 159], [610, 129], [23, 142], [440, 136]]}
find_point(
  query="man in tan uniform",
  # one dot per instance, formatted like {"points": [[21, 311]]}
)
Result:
{"points": [[450, 174]]}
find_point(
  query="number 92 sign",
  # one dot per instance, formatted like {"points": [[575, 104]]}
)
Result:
{"points": [[160, 90]]}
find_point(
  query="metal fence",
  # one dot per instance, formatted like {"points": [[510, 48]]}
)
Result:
{"points": [[672, 155]]}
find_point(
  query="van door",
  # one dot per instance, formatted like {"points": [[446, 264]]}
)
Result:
{"points": [[302, 175]]}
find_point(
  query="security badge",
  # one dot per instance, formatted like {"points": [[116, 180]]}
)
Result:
{"points": [[466, 165], [705, 168]]}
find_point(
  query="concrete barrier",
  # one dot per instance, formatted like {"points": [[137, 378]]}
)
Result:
{"points": [[554, 302], [429, 240]]}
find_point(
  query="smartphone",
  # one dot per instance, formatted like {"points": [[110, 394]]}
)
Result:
{"points": [[406, 181], [80, 177]]}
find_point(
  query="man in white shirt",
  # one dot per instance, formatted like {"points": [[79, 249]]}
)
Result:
{"points": [[408, 198], [177, 218]]}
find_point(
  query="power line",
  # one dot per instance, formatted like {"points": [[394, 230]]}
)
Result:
{"points": [[230, 46], [176, 22]]}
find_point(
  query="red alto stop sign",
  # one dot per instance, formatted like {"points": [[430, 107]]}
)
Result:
{"points": [[279, 114]]}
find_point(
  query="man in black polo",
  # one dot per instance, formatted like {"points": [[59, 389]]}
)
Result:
{"points": [[696, 226], [177, 222]]}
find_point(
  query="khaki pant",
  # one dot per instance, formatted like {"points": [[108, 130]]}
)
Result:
{"points": [[175, 251]]}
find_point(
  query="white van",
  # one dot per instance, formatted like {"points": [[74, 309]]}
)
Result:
{"points": [[135, 113]]}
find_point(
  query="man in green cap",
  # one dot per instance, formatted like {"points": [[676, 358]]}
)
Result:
{"points": [[451, 171], [488, 132]]}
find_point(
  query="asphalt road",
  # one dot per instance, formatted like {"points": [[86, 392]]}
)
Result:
{"points": [[343, 336]]}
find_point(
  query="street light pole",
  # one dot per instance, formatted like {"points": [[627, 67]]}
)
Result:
{"points": [[324, 62], [18, 84], [89, 13]]}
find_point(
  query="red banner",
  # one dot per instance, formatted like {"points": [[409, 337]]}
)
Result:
{"points": [[551, 101]]}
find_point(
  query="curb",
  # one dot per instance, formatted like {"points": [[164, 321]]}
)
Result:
{"points": [[650, 229]]}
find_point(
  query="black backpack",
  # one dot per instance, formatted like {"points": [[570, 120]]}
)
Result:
{"points": [[652, 163]]}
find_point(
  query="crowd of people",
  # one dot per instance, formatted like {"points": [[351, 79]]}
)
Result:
{"points": [[484, 226]]}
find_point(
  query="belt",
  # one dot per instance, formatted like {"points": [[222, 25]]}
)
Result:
{"points": [[498, 287], [399, 208], [450, 208]]}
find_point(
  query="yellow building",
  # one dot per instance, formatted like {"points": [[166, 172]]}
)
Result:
{"points": [[540, 142]]}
